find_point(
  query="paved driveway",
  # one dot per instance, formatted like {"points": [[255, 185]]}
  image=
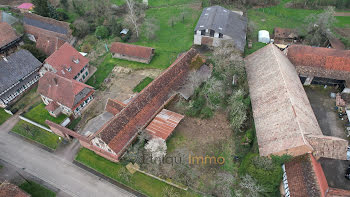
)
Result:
{"points": [[51, 168]]}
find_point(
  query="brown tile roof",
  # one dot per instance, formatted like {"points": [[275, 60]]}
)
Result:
{"points": [[319, 57], [119, 132], [164, 124], [337, 44], [282, 112], [10, 190], [132, 50], [52, 106], [64, 58], [7, 34], [302, 178], [335, 192], [285, 33], [67, 92], [49, 44], [114, 106]]}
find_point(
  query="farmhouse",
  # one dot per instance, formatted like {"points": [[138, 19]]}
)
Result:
{"points": [[304, 176], [8, 37], [321, 65], [132, 52], [62, 95], [118, 133], [19, 72], [284, 120], [67, 62], [285, 35], [217, 25], [49, 30]]}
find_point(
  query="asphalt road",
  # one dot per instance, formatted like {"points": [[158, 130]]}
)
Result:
{"points": [[51, 168]]}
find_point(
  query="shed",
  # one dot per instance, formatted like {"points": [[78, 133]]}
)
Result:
{"points": [[264, 36]]}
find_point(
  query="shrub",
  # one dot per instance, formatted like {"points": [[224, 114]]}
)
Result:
{"points": [[86, 48], [80, 28], [62, 15], [206, 112], [248, 138], [196, 106], [38, 54], [101, 32]]}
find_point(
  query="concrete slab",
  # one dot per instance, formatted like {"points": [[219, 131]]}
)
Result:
{"points": [[96, 123]]}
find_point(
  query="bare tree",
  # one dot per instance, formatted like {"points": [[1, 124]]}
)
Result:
{"points": [[157, 147], [251, 186], [132, 16]]}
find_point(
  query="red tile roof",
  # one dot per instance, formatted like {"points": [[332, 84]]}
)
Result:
{"points": [[10, 190], [67, 92], [132, 50], [119, 132], [49, 44], [327, 58], [335, 192], [164, 124], [64, 58], [114, 106], [7, 34], [52, 106], [303, 177]]}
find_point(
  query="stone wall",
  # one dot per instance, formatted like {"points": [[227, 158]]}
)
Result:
{"points": [[135, 59], [328, 146]]}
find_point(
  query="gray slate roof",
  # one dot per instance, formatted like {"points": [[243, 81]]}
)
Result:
{"points": [[18, 65], [43, 25], [224, 21]]}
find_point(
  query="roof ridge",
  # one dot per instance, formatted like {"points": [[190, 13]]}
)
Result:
{"points": [[289, 95]]}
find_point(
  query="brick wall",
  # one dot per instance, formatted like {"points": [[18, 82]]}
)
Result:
{"points": [[328, 147]]}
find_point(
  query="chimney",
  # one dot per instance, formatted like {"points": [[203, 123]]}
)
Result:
{"points": [[5, 59], [76, 60]]}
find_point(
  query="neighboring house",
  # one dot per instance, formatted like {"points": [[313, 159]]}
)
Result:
{"points": [[283, 117], [8, 189], [304, 176], [335, 43], [217, 24], [8, 37], [132, 52], [18, 72], [115, 136], [63, 95], [321, 65], [285, 36], [41, 29], [25, 7], [67, 62]]}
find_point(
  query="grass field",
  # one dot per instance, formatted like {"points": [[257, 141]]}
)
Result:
{"points": [[36, 190], [343, 21], [37, 134], [39, 114], [139, 87], [29, 97], [168, 44], [160, 3], [3, 116], [116, 171]]}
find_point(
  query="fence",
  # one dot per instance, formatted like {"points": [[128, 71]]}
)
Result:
{"points": [[35, 124]]}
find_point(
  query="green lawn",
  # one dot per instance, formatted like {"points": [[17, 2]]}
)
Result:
{"points": [[26, 99], [159, 3], [74, 123], [3, 116], [118, 2], [343, 21], [37, 134], [116, 171], [139, 87], [39, 114], [169, 42], [36, 190]]}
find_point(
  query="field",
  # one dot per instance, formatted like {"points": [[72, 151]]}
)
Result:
{"points": [[169, 42], [36, 190], [3, 116], [37, 134], [39, 115], [280, 16], [138, 181], [142, 84]]}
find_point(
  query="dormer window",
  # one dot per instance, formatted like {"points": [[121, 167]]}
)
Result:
{"points": [[69, 69], [76, 60]]}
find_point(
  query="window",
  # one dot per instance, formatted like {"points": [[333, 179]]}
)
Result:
{"points": [[220, 35]]}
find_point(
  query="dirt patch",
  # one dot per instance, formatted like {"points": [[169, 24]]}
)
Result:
{"points": [[119, 86], [345, 32]]}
